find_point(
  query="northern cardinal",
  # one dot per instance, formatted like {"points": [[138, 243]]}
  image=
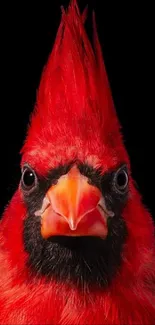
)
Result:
{"points": [[77, 244]]}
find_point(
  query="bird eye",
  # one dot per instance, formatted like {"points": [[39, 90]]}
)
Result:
{"points": [[28, 179], [121, 180]]}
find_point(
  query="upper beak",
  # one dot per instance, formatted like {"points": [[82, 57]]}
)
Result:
{"points": [[73, 207]]}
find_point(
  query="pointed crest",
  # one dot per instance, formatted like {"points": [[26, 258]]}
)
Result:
{"points": [[74, 96]]}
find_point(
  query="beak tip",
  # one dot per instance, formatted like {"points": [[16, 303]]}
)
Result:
{"points": [[72, 224]]}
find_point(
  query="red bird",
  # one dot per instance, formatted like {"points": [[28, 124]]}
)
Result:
{"points": [[77, 245]]}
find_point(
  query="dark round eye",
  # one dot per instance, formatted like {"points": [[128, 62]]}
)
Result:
{"points": [[28, 179], [121, 180]]}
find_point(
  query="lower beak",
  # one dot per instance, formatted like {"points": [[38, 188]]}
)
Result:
{"points": [[73, 207]]}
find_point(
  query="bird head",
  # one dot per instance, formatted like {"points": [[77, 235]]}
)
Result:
{"points": [[76, 216]]}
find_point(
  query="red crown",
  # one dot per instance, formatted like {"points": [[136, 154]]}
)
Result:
{"points": [[74, 117]]}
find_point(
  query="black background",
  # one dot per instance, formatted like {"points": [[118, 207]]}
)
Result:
{"points": [[127, 39]]}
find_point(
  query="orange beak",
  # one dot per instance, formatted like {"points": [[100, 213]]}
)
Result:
{"points": [[73, 207]]}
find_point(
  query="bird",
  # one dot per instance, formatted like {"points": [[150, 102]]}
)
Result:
{"points": [[77, 243]]}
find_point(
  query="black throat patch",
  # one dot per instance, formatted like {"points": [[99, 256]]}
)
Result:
{"points": [[83, 261], [86, 262]]}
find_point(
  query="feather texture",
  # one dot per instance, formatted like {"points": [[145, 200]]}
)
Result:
{"points": [[74, 111], [75, 118]]}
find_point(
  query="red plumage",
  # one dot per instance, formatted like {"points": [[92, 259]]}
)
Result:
{"points": [[75, 119], [73, 100]]}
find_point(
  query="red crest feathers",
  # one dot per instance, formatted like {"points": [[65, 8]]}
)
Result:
{"points": [[74, 118], [74, 115]]}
